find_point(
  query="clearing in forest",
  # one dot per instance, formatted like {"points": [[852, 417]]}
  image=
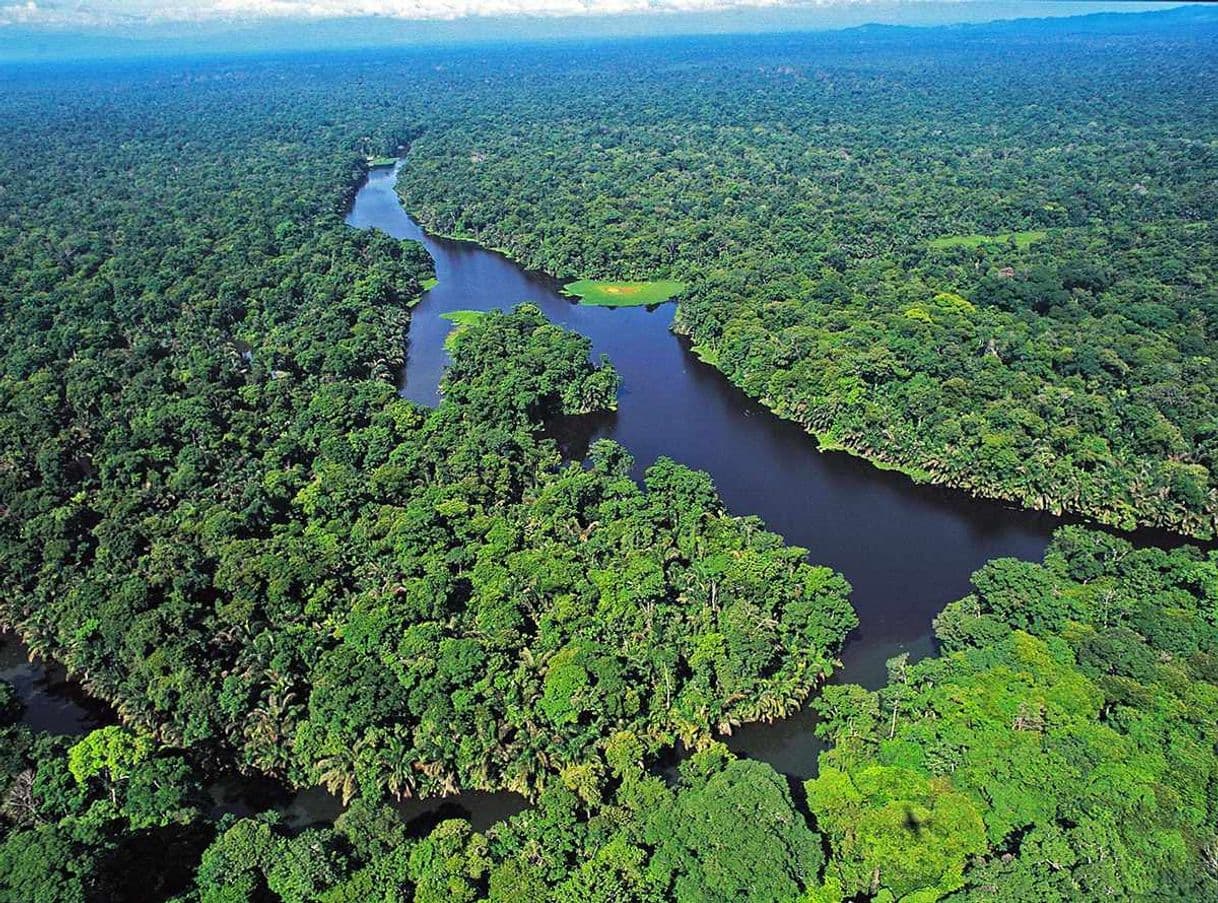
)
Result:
{"points": [[623, 294]]}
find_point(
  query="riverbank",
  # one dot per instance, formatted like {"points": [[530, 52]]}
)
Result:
{"points": [[906, 549], [832, 439]]}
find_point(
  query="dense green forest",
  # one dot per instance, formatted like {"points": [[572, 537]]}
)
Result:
{"points": [[841, 210], [1061, 748], [219, 514], [222, 516]]}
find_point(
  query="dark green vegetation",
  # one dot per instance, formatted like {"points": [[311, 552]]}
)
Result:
{"points": [[799, 187], [111, 817], [217, 511], [727, 830], [104, 817], [623, 294], [1061, 749], [279, 557]]}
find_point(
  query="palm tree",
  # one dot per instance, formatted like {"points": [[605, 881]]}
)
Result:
{"points": [[269, 725], [337, 772], [399, 758]]}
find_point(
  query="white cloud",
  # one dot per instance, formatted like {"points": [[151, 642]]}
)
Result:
{"points": [[131, 12]]}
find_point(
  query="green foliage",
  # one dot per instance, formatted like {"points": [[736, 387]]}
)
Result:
{"points": [[727, 831], [1019, 240], [252, 860], [219, 509], [449, 864], [216, 506], [232, 868], [303, 867], [129, 828], [540, 370], [894, 830], [460, 319], [50, 864], [1061, 749], [110, 752], [819, 210], [732, 835]]}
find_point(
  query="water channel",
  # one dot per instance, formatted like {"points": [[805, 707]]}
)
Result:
{"points": [[906, 549]]}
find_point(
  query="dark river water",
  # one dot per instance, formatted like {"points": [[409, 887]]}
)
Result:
{"points": [[56, 704], [52, 701], [907, 550]]}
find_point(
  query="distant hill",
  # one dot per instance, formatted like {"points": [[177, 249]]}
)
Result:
{"points": [[20, 43]]}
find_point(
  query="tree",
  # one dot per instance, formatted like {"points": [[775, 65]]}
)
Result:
{"points": [[111, 753], [733, 834]]}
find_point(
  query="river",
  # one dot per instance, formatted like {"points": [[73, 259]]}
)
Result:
{"points": [[906, 549]]}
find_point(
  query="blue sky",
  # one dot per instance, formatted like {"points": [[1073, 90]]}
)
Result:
{"points": [[132, 15]]}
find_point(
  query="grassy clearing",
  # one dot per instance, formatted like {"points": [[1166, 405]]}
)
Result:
{"points": [[460, 320], [463, 317], [382, 161], [1021, 239], [623, 294], [428, 284]]}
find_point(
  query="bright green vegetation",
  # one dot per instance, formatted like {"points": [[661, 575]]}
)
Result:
{"points": [[1020, 240], [623, 294], [1062, 748], [382, 161], [800, 192], [463, 317], [460, 320], [429, 283]]}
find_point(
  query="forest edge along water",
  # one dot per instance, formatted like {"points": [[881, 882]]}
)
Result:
{"points": [[907, 549]]}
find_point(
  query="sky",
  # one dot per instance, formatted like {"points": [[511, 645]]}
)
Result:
{"points": [[135, 14]]}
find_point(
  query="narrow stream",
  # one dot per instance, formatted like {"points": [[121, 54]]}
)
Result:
{"points": [[56, 704], [53, 702]]}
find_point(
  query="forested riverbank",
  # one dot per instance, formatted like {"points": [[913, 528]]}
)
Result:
{"points": [[1061, 748], [841, 209], [223, 519], [219, 513]]}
